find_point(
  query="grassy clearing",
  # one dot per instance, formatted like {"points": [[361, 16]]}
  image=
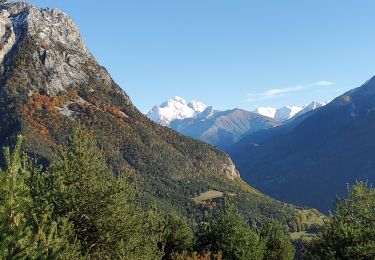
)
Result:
{"points": [[208, 195], [303, 235]]}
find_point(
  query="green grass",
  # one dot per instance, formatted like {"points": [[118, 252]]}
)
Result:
{"points": [[303, 235]]}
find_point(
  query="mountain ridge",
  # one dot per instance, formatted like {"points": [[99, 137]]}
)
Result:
{"points": [[222, 128], [317, 154], [173, 112]]}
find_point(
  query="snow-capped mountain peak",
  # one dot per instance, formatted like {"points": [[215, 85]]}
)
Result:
{"points": [[207, 113], [178, 108], [174, 100], [197, 106], [312, 106], [266, 111], [287, 112], [173, 109], [280, 114]]}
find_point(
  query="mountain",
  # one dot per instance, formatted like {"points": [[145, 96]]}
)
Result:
{"points": [[266, 111], [175, 109], [50, 83], [219, 128], [310, 160], [287, 112], [280, 114], [222, 128], [312, 106]]}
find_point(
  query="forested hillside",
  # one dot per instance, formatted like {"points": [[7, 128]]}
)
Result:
{"points": [[77, 209]]}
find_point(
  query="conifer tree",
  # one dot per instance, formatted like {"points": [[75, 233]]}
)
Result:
{"points": [[178, 236], [349, 233], [230, 235], [278, 245], [25, 232], [16, 235]]}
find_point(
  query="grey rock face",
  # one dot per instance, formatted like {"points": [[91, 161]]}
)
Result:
{"points": [[230, 170], [7, 35], [61, 52]]}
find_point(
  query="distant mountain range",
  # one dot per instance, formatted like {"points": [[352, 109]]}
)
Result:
{"points": [[221, 128], [280, 114], [310, 160]]}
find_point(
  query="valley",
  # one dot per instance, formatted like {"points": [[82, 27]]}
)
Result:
{"points": [[84, 174]]}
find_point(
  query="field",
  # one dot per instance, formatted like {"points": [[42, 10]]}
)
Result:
{"points": [[303, 235], [208, 195]]}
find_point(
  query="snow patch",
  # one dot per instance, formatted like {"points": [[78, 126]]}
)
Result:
{"points": [[266, 111], [286, 112]]}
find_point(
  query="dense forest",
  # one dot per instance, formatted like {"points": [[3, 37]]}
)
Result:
{"points": [[77, 208]]}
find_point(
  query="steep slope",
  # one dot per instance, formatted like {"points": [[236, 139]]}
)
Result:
{"points": [[50, 82], [222, 128], [175, 109], [310, 160]]}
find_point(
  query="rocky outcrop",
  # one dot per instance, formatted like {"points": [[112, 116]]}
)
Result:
{"points": [[7, 35], [230, 170], [60, 51]]}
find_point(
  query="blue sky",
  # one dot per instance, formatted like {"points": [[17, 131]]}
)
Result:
{"points": [[241, 53]]}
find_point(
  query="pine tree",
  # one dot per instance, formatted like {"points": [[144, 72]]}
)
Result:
{"points": [[178, 236], [278, 245], [25, 232], [15, 234], [230, 235], [350, 232]]}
